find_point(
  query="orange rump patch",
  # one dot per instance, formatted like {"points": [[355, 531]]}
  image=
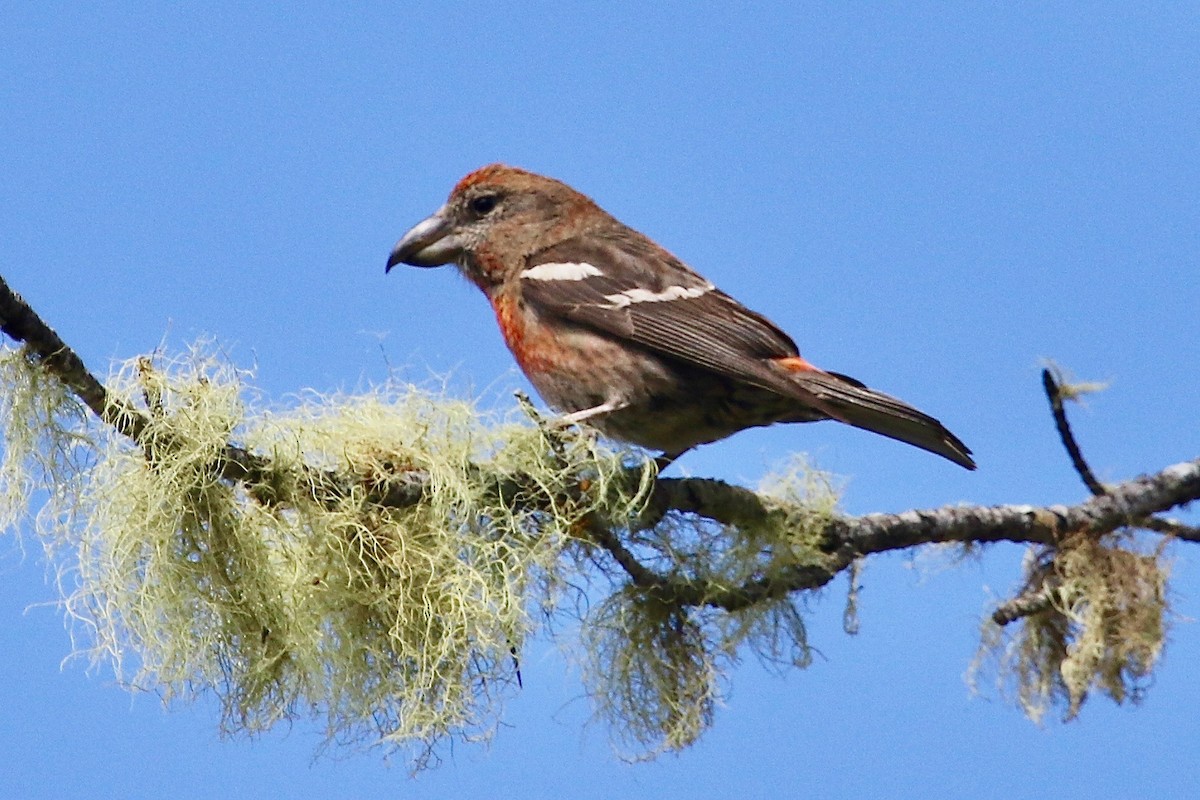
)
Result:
{"points": [[796, 364]]}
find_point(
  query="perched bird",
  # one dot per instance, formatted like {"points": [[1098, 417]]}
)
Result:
{"points": [[615, 332]]}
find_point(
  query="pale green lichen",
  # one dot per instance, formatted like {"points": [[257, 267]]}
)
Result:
{"points": [[43, 440], [1103, 628], [396, 624], [1069, 388], [653, 669]]}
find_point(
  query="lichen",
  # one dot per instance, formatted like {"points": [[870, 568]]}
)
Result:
{"points": [[396, 624], [297, 592], [654, 669], [1103, 628]]}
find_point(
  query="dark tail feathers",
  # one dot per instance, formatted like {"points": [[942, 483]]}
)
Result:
{"points": [[849, 401]]}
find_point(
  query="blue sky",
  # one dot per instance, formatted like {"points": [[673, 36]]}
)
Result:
{"points": [[930, 197]]}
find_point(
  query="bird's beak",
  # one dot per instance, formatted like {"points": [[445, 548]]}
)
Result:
{"points": [[431, 243]]}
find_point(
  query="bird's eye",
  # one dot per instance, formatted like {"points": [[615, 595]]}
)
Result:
{"points": [[483, 204]]}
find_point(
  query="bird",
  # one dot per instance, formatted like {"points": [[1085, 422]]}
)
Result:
{"points": [[616, 333]]}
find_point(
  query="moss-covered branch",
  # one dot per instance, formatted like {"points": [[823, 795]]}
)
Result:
{"points": [[376, 559], [846, 538]]}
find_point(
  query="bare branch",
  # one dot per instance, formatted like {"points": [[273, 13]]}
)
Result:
{"points": [[1171, 527], [1054, 393], [849, 538], [1023, 605]]}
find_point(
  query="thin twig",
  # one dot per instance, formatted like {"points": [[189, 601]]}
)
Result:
{"points": [[1171, 527], [1023, 605], [1034, 600], [1054, 395]]}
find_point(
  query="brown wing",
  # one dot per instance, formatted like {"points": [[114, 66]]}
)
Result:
{"points": [[625, 286], [637, 291]]}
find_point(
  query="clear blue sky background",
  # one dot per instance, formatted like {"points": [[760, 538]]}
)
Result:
{"points": [[930, 197]]}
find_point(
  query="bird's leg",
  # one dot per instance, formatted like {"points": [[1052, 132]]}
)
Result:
{"points": [[583, 415]]}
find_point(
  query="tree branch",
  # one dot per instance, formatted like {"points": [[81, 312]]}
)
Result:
{"points": [[1023, 605], [1037, 598], [1054, 393], [849, 538], [845, 539], [22, 324]]}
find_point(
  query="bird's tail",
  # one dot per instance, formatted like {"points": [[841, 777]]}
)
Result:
{"points": [[849, 401]]}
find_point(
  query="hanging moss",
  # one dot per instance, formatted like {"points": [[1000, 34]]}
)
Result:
{"points": [[1102, 628], [298, 594], [653, 668], [396, 624]]}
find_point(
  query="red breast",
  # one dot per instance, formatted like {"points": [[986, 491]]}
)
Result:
{"points": [[514, 326]]}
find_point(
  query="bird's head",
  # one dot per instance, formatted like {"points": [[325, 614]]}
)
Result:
{"points": [[506, 211]]}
